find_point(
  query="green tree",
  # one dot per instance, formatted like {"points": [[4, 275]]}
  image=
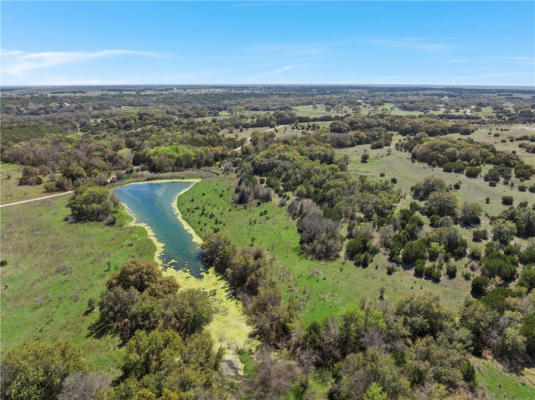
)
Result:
{"points": [[91, 203], [217, 252], [375, 392], [442, 204], [186, 312], [503, 231], [35, 370]]}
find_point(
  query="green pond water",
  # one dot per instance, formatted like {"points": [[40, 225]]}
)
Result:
{"points": [[153, 204]]}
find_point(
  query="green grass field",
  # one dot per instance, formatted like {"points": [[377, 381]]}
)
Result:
{"points": [[505, 139], [503, 385], [10, 190], [398, 165], [54, 268], [323, 288]]}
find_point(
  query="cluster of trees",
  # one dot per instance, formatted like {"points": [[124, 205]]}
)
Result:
{"points": [[416, 349], [177, 158], [519, 221], [92, 203], [167, 354], [249, 272], [455, 155], [502, 321], [312, 171], [138, 297], [249, 188]]}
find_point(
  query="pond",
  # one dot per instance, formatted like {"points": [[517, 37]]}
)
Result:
{"points": [[154, 206]]}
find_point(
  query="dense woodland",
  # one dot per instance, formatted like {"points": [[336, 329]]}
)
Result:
{"points": [[85, 139]]}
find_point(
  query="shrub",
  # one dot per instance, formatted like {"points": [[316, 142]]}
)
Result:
{"points": [[451, 270], [419, 269], [35, 370], [472, 172], [507, 200], [414, 251], [479, 235], [479, 286], [30, 176], [91, 203]]}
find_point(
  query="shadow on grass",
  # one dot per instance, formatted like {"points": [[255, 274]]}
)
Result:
{"points": [[98, 329]]}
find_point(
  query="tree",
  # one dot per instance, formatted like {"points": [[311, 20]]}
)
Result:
{"points": [[470, 213], [271, 315], [527, 329], [442, 204], [479, 285], [422, 190], [186, 312], [148, 353], [115, 306], [35, 370], [139, 274], [359, 372], [422, 314], [30, 176], [414, 251], [319, 237], [218, 252], [503, 231], [79, 386], [91, 203], [375, 392]]}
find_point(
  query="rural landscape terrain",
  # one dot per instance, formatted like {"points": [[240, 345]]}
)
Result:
{"points": [[267, 242]]}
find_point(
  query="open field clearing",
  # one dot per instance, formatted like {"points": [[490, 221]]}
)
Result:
{"points": [[503, 385], [11, 191], [54, 268], [323, 288], [503, 138], [398, 165]]}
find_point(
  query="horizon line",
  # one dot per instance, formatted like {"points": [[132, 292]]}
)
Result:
{"points": [[429, 85]]}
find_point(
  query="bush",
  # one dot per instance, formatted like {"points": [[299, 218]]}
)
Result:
{"points": [[35, 370], [50, 187], [419, 269], [414, 251], [432, 273], [479, 286], [507, 200], [30, 176], [91, 203], [451, 270], [479, 235], [472, 172]]}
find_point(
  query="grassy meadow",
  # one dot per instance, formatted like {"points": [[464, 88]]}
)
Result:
{"points": [[398, 165], [503, 385], [322, 288], [54, 268], [10, 190]]}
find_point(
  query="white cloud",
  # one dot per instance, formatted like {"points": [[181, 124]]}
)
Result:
{"points": [[17, 62]]}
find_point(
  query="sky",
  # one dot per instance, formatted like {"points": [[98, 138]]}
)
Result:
{"points": [[99, 43]]}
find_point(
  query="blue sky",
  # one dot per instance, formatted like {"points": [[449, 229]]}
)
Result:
{"points": [[481, 43]]}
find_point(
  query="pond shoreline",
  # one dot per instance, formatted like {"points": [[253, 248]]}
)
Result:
{"points": [[230, 326]]}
